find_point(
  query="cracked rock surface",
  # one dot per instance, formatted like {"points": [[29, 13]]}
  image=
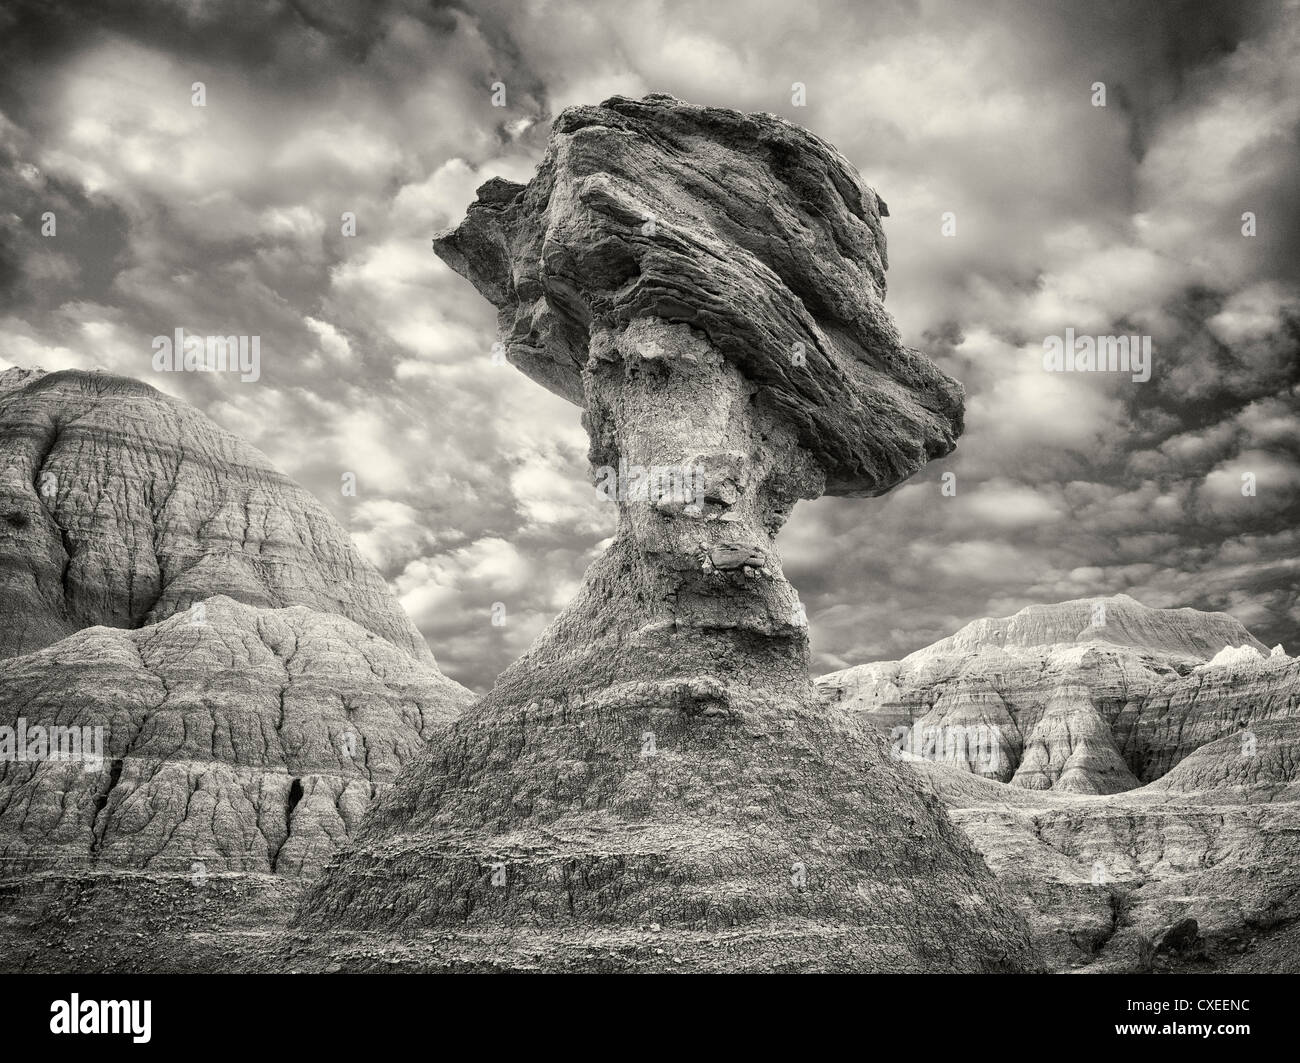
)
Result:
{"points": [[655, 784], [1145, 777]]}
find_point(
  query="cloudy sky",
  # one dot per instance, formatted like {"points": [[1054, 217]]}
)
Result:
{"points": [[472, 483]]}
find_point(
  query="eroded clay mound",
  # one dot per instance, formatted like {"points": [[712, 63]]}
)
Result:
{"points": [[205, 685], [227, 739], [1194, 870], [120, 506], [1093, 696]]}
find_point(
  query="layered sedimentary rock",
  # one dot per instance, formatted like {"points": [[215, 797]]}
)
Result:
{"points": [[1118, 620], [205, 685], [1097, 695], [1102, 879], [1070, 748], [1193, 870], [755, 233], [120, 506], [1229, 701], [708, 286], [242, 739]]}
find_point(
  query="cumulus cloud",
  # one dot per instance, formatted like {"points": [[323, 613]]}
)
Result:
{"points": [[472, 485]]}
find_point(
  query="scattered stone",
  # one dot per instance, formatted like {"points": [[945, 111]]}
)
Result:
{"points": [[1182, 936]]}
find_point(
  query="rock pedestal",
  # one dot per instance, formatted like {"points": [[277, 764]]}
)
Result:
{"points": [[690, 596], [656, 782]]}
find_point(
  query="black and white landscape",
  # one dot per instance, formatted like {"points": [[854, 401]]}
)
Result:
{"points": [[649, 487]]}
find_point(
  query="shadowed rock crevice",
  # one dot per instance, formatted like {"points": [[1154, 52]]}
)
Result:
{"points": [[292, 800], [99, 825]]}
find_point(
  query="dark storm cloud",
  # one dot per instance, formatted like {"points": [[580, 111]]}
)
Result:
{"points": [[472, 480]]}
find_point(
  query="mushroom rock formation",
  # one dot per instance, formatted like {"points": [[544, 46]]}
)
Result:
{"points": [[708, 286]]}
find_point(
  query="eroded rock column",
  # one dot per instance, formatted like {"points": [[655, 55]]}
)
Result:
{"points": [[693, 581], [659, 756]]}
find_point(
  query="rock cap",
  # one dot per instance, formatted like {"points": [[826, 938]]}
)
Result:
{"points": [[744, 226]]}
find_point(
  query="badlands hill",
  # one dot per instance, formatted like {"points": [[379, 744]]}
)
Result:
{"points": [[1090, 696], [244, 677], [1119, 620], [1123, 770], [120, 506]]}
